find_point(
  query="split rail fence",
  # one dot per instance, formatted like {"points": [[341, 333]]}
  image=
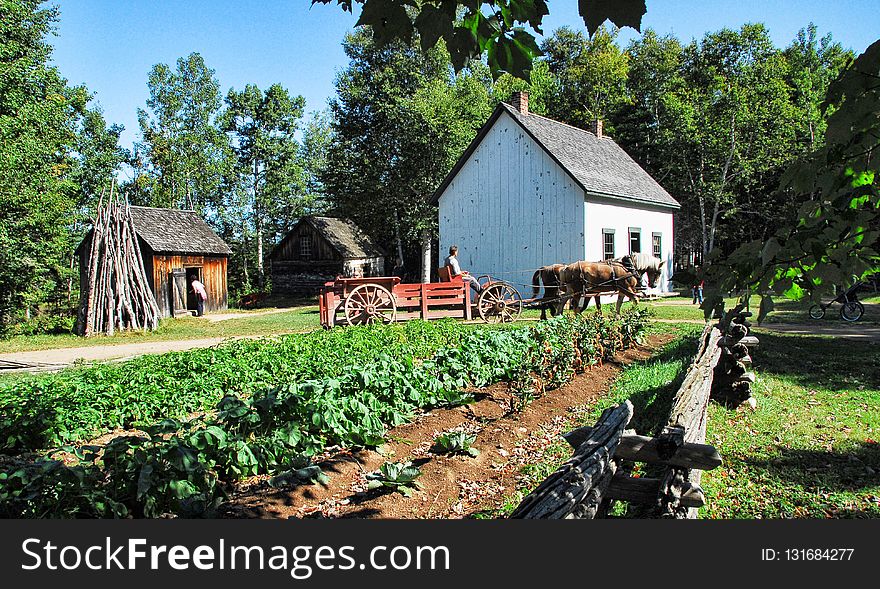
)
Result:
{"points": [[598, 473]]}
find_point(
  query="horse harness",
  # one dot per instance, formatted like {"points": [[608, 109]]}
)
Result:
{"points": [[626, 262]]}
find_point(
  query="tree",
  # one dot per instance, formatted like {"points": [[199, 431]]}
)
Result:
{"points": [[833, 239], [590, 73], [38, 114], [184, 155], [730, 125], [813, 64], [98, 157], [498, 28], [316, 140], [262, 127], [400, 120], [542, 86]]}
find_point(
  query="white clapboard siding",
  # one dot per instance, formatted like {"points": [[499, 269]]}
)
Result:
{"points": [[511, 208], [602, 213]]}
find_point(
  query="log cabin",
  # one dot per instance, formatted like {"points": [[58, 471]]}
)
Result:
{"points": [[175, 246], [317, 250]]}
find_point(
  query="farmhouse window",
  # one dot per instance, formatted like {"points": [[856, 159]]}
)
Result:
{"points": [[305, 247], [635, 240], [657, 245], [608, 243]]}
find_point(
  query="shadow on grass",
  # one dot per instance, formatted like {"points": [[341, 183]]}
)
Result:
{"points": [[819, 361], [852, 469]]}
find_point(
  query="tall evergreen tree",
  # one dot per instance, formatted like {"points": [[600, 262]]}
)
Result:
{"points": [[38, 115], [400, 120]]}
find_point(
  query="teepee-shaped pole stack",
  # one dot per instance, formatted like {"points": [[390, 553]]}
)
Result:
{"points": [[116, 296]]}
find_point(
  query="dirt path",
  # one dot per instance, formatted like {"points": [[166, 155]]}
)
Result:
{"points": [[61, 357], [855, 331], [215, 317], [453, 486]]}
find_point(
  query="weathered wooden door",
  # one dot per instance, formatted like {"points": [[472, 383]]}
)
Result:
{"points": [[178, 292]]}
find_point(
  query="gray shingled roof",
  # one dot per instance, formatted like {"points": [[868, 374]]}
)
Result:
{"points": [[346, 237], [177, 231], [597, 164]]}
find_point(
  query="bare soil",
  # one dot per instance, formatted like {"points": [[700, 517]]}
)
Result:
{"points": [[452, 486]]}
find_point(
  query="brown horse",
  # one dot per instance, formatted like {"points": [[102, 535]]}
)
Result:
{"points": [[549, 275], [591, 279]]}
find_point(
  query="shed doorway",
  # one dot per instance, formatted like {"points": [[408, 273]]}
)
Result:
{"points": [[191, 296]]}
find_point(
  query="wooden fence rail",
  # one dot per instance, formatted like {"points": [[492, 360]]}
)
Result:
{"points": [[598, 473]]}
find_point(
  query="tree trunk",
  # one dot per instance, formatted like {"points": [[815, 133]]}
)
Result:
{"points": [[260, 276], [397, 238], [426, 255], [258, 224]]}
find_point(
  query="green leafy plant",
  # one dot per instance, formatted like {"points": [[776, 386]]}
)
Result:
{"points": [[456, 443], [185, 467], [398, 476]]}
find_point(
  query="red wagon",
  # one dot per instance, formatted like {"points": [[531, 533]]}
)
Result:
{"points": [[358, 301]]}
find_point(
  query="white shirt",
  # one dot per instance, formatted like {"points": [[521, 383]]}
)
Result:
{"points": [[452, 262]]}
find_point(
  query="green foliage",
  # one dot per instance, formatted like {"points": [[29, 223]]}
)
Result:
{"points": [[832, 241], [262, 127], [456, 443], [590, 73], [184, 155], [399, 123], [469, 30], [78, 403], [398, 476], [184, 467], [38, 119], [44, 324]]}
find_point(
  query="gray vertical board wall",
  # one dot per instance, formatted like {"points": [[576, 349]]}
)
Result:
{"points": [[511, 208]]}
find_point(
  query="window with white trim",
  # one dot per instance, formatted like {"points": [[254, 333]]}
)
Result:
{"points": [[657, 245], [608, 244], [635, 240]]}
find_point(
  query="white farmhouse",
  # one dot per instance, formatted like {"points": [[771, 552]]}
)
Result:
{"points": [[530, 191]]}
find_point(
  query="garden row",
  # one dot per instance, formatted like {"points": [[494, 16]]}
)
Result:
{"points": [[80, 403], [185, 468]]}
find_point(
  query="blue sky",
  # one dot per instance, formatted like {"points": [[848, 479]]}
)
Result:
{"points": [[110, 45]]}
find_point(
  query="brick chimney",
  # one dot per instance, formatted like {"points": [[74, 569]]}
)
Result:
{"points": [[596, 127], [520, 101]]}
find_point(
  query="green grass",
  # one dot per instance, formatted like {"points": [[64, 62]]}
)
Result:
{"points": [[809, 450], [296, 319]]}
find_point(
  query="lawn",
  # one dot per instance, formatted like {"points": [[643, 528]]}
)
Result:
{"points": [[296, 319], [809, 450]]}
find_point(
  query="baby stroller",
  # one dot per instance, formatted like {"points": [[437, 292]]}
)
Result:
{"points": [[850, 307]]}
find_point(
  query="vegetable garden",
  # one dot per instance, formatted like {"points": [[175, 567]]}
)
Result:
{"points": [[197, 422]]}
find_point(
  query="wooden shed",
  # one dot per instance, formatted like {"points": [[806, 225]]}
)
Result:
{"points": [[176, 245], [319, 249]]}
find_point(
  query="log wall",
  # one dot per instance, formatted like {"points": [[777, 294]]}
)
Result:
{"points": [[213, 275]]}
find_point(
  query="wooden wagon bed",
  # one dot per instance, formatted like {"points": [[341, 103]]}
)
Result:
{"points": [[363, 300]]}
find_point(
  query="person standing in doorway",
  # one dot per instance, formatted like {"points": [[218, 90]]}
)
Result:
{"points": [[201, 295], [455, 270]]}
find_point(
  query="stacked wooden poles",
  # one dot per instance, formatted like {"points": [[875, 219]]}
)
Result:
{"points": [[732, 383], [117, 296]]}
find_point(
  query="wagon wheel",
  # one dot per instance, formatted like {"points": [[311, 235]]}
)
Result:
{"points": [[370, 303], [498, 303]]}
